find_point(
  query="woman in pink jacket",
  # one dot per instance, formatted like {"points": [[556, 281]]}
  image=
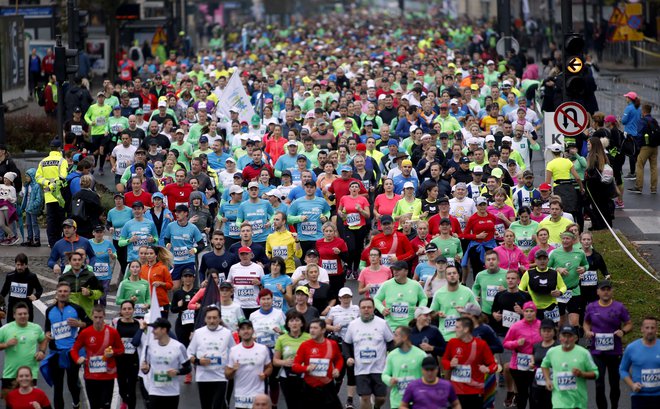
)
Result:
{"points": [[511, 257], [520, 339]]}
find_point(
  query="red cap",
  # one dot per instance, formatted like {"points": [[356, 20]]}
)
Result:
{"points": [[361, 147], [244, 249], [420, 72], [545, 186], [444, 105]]}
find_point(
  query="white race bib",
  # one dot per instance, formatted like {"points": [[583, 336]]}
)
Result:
{"points": [[281, 251], [509, 318], [101, 269], [18, 290], [309, 228], [368, 355], [188, 317], [604, 342], [566, 381], [246, 293], [565, 297], [399, 310], [77, 129], [234, 229], [100, 121], [129, 348], [97, 364], [553, 314], [589, 278], [499, 231], [491, 290], [523, 362], [373, 289], [257, 227], [353, 219], [462, 374], [321, 366], [330, 266], [538, 376], [60, 330], [450, 324], [139, 311], [651, 378], [116, 233]]}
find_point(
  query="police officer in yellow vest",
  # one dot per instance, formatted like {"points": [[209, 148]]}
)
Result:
{"points": [[51, 174]]}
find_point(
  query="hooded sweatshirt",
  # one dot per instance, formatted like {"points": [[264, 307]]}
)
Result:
{"points": [[33, 194], [530, 331]]}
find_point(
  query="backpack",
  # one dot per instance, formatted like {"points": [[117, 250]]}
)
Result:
{"points": [[652, 135], [39, 94], [78, 209], [628, 146], [607, 175], [66, 193]]}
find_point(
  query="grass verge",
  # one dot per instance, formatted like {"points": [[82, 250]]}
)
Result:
{"points": [[634, 288]]}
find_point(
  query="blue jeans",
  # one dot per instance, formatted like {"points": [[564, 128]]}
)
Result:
{"points": [[32, 226], [106, 288]]}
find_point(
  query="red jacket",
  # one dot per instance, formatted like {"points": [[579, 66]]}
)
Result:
{"points": [[473, 354], [95, 343], [252, 171], [477, 224], [311, 349], [397, 243], [434, 225]]}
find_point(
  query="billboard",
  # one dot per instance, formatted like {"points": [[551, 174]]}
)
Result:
{"points": [[12, 52]]}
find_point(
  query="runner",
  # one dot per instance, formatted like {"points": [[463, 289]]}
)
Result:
{"points": [[258, 212], [397, 297], [85, 288], [403, 365], [449, 301], [102, 343], [393, 245], [185, 320], [286, 347], [128, 364], [544, 285], [308, 214], [184, 240], [571, 366], [489, 282], [282, 243], [246, 277], [373, 276], [21, 285], [430, 392], [137, 232], [640, 366]]}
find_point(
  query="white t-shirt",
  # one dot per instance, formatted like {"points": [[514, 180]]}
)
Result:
{"points": [[124, 157], [343, 316], [241, 278], [369, 341], [246, 379], [231, 314], [264, 324], [161, 359], [214, 345], [298, 274], [462, 210], [227, 178]]}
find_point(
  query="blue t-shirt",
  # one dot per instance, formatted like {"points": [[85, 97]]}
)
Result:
{"points": [[142, 230], [118, 218], [230, 211], [258, 214], [642, 364], [399, 180], [424, 271], [286, 162], [278, 297], [183, 238], [296, 176], [299, 191], [226, 198], [311, 229], [102, 269]]}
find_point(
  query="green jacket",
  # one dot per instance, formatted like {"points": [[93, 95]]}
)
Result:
{"points": [[85, 278]]}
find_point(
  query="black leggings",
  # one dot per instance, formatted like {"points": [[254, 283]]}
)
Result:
{"points": [[291, 387], [212, 395], [354, 239], [273, 386], [323, 397], [541, 398], [164, 402], [58, 377], [611, 364], [122, 257], [99, 393], [471, 401], [127, 375], [523, 380]]}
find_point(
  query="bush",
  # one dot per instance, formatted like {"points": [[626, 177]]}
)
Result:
{"points": [[28, 131]]}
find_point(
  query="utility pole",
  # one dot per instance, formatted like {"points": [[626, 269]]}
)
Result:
{"points": [[504, 19], [2, 107]]}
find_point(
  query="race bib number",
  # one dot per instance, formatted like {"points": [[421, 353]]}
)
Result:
{"points": [[139, 311], [188, 317], [462, 374], [116, 233], [100, 121], [589, 278], [330, 266], [278, 302], [491, 291], [77, 129], [162, 377], [566, 381], [651, 378], [367, 355], [402, 384], [97, 364], [18, 290], [539, 378], [524, 362], [135, 142], [146, 108], [243, 401], [268, 340], [373, 289], [281, 251], [353, 219], [509, 318], [129, 348], [134, 102], [257, 228], [180, 253], [234, 229], [246, 293], [422, 259], [321, 366], [399, 310], [60, 330], [385, 260], [116, 128], [553, 314], [451, 262], [525, 244], [565, 297], [309, 228], [101, 270], [604, 342], [499, 231], [450, 324]]}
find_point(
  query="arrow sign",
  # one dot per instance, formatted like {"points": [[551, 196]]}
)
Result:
{"points": [[571, 118], [574, 65]]}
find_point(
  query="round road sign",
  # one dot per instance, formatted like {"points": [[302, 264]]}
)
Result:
{"points": [[571, 118]]}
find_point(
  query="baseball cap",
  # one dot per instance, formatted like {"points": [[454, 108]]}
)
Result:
{"points": [[386, 219], [243, 322], [556, 147], [610, 119], [368, 123], [445, 220], [481, 200], [188, 272], [430, 247], [226, 284], [545, 186], [478, 170], [138, 204], [303, 157], [302, 289], [346, 168], [312, 252], [399, 265], [157, 195], [443, 199], [286, 173], [99, 227], [116, 107], [100, 94], [429, 363], [465, 159], [409, 185], [547, 323], [631, 95], [392, 142], [489, 62], [497, 172], [253, 184], [604, 283], [116, 195], [55, 143], [567, 329], [238, 175], [181, 208], [162, 104], [361, 147], [291, 143], [244, 249], [203, 139], [528, 173], [423, 310], [234, 110], [274, 192], [507, 139], [453, 101], [160, 323], [541, 253], [472, 309], [490, 138], [77, 109], [406, 162], [345, 291], [235, 189]]}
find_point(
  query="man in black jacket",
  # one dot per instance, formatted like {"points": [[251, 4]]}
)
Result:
{"points": [[76, 97], [21, 285], [86, 207]]}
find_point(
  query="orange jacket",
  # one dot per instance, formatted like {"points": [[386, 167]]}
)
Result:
{"points": [[158, 272]]}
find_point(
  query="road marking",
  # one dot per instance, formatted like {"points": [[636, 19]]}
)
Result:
{"points": [[637, 210], [646, 243], [647, 224]]}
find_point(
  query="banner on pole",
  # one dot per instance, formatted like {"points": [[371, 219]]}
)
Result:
{"points": [[234, 96]]}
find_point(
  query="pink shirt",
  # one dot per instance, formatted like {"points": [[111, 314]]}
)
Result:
{"points": [[500, 227], [522, 329], [532, 253], [375, 278], [353, 217], [511, 259], [385, 206]]}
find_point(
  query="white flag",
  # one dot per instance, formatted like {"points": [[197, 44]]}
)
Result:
{"points": [[147, 338], [234, 96]]}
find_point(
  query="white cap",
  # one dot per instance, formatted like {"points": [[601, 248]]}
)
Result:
{"points": [[453, 101], [291, 143], [408, 185], [490, 62], [423, 310], [506, 82], [507, 139], [371, 84], [478, 169], [162, 104], [490, 138], [413, 128], [426, 136], [381, 97], [253, 184], [234, 109], [473, 141], [230, 159], [345, 291], [245, 137], [556, 147], [274, 192], [235, 189]]}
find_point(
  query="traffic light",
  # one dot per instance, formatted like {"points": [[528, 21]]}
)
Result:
{"points": [[81, 33], [66, 63], [574, 66]]}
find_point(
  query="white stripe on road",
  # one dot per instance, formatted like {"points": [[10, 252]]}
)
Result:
{"points": [[637, 210], [646, 243]]}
